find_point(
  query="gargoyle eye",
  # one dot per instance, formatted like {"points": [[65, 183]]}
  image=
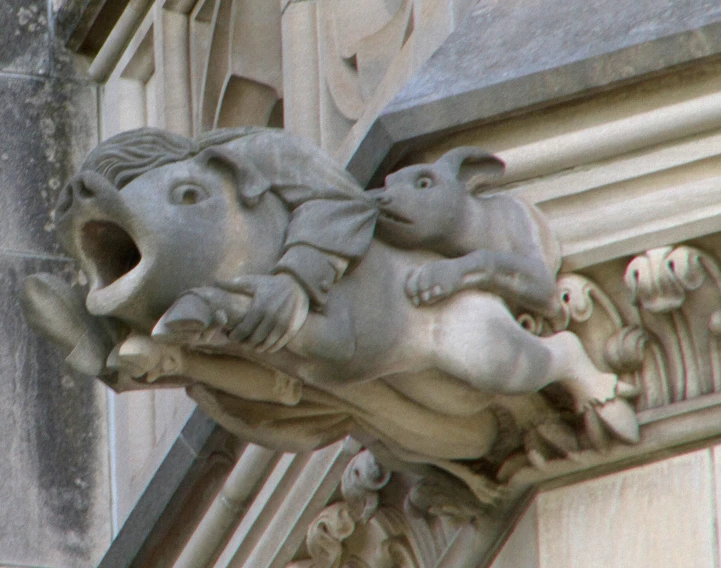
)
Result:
{"points": [[424, 182], [188, 194]]}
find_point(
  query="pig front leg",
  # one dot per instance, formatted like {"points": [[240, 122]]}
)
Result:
{"points": [[212, 316], [516, 278], [436, 280]]}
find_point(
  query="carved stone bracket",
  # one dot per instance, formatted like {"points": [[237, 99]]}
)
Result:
{"points": [[358, 532]]}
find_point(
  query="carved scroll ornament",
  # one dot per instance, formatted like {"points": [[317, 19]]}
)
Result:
{"points": [[346, 535], [296, 308]]}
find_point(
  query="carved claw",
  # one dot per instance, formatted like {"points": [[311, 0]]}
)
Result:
{"points": [[433, 282]]}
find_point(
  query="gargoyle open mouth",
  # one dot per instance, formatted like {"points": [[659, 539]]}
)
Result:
{"points": [[394, 217], [109, 251]]}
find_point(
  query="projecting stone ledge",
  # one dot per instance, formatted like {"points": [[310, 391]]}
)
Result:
{"points": [[508, 56], [375, 524]]}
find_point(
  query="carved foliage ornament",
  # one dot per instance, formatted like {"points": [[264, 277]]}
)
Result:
{"points": [[296, 308], [357, 533]]}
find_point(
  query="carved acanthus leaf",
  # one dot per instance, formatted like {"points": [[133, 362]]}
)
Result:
{"points": [[362, 480], [398, 553], [356, 533], [660, 279], [589, 312], [625, 349], [326, 533], [670, 347], [678, 292]]}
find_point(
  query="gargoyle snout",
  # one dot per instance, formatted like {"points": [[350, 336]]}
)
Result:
{"points": [[380, 196], [84, 189]]}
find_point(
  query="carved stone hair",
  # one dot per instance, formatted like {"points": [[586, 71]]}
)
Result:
{"points": [[125, 156]]}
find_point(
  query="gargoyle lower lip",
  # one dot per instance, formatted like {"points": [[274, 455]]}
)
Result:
{"points": [[109, 252], [387, 215]]}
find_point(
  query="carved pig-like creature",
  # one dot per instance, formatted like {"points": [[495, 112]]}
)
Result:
{"points": [[183, 241]]}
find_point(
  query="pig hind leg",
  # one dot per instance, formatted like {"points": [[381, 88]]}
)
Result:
{"points": [[488, 349], [494, 354]]}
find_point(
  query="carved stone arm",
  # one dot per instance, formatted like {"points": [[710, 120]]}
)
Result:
{"points": [[521, 280]]}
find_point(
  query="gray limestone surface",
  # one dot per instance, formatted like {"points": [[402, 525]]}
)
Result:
{"points": [[24, 37], [188, 257], [47, 125], [54, 497], [515, 54], [54, 483], [516, 38]]}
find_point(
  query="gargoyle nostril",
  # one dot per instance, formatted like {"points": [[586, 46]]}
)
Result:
{"points": [[383, 200], [83, 191]]}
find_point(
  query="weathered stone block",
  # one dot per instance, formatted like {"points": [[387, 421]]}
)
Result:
{"points": [[54, 491], [46, 129], [521, 548], [659, 515], [68, 65], [24, 36]]}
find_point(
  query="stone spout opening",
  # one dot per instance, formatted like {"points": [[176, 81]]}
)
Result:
{"points": [[111, 251]]}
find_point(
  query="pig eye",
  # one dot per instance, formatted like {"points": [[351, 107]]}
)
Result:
{"points": [[424, 182], [188, 194]]}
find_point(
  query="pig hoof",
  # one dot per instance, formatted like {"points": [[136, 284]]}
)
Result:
{"points": [[619, 417]]}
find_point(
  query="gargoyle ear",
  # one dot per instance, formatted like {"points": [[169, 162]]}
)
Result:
{"points": [[250, 183], [473, 166]]}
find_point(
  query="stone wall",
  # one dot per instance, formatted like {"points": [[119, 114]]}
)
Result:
{"points": [[660, 514], [54, 483]]}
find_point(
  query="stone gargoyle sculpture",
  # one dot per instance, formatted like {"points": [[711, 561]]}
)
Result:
{"points": [[296, 309]]}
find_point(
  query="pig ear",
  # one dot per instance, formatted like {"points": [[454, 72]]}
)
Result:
{"points": [[474, 167], [250, 183]]}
